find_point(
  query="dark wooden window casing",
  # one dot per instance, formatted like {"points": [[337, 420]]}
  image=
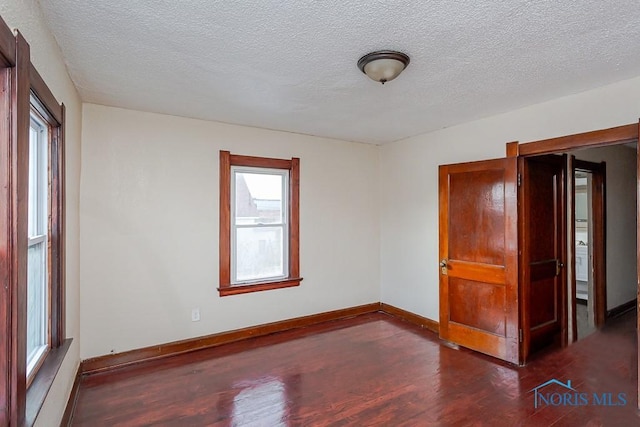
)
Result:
{"points": [[19, 404], [54, 114], [227, 160]]}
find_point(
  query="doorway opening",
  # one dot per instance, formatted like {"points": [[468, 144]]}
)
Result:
{"points": [[602, 236], [584, 246], [588, 238]]}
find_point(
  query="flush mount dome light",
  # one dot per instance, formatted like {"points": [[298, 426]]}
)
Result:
{"points": [[383, 65]]}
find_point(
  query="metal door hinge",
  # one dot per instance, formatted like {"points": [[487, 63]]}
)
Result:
{"points": [[520, 334], [519, 180]]}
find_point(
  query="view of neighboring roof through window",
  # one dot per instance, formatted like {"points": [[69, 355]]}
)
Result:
{"points": [[259, 249]]}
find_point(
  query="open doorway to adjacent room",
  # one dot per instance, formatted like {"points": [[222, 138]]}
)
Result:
{"points": [[602, 233], [585, 247]]}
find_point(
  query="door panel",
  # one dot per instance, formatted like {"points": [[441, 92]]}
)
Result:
{"points": [[478, 253], [543, 243], [477, 233], [544, 312], [490, 318]]}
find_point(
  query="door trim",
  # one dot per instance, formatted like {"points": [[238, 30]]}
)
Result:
{"points": [[597, 138]]}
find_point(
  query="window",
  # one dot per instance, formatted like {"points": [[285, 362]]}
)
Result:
{"points": [[45, 229], [38, 310], [32, 315], [259, 226]]}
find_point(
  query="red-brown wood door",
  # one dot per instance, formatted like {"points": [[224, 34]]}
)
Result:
{"points": [[478, 256], [543, 237]]}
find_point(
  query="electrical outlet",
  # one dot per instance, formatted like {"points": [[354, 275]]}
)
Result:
{"points": [[195, 315]]}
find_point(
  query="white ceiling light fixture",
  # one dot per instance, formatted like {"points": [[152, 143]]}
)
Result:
{"points": [[383, 65]]}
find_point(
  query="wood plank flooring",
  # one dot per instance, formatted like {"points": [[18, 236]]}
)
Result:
{"points": [[372, 370]]}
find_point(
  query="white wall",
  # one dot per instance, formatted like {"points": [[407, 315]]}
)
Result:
{"points": [[25, 16], [149, 219], [621, 196], [409, 179]]}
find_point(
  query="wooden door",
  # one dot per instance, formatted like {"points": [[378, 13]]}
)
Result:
{"points": [[478, 255], [543, 237]]}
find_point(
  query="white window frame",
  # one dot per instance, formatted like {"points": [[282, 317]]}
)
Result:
{"points": [[38, 233], [284, 224]]}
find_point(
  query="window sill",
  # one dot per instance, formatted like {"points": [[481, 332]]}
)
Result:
{"points": [[256, 287], [39, 388]]}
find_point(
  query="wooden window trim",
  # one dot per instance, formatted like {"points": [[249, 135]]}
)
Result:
{"points": [[53, 112], [227, 160], [54, 115], [19, 173], [18, 78], [42, 381]]}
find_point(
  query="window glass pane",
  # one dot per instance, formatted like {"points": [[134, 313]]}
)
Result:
{"points": [[36, 302], [258, 198], [259, 253], [38, 174], [33, 181]]}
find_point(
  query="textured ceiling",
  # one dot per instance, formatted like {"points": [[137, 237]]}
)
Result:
{"points": [[291, 64]]}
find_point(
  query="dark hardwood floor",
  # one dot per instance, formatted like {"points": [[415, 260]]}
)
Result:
{"points": [[367, 371]]}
